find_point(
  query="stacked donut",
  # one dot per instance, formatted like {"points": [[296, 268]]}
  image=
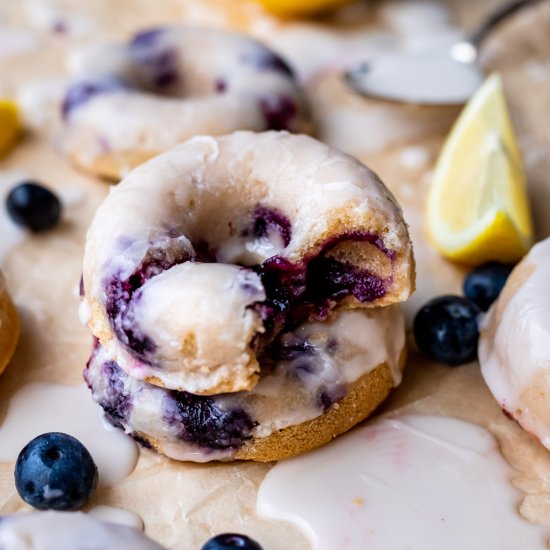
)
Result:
{"points": [[241, 293], [130, 102]]}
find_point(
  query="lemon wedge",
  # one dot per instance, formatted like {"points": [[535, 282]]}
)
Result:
{"points": [[477, 204], [292, 8], [9, 124]]}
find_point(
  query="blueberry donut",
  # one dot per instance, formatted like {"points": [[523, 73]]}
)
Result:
{"points": [[68, 531], [317, 381], [203, 255], [9, 326], [513, 347], [169, 84]]}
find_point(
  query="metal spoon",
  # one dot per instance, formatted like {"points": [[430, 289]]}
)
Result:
{"points": [[446, 77]]}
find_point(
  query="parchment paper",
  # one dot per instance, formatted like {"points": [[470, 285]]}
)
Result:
{"points": [[184, 504]]}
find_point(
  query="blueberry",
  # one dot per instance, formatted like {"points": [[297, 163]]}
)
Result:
{"points": [[205, 423], [484, 283], [33, 206], [446, 329], [55, 471], [229, 541]]}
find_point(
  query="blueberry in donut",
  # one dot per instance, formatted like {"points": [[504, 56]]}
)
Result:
{"points": [[130, 102], [228, 262]]}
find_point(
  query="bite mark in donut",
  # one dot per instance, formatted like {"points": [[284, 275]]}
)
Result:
{"points": [[295, 229]]}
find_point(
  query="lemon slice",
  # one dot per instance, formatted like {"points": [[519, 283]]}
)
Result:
{"points": [[290, 8], [9, 124], [477, 205]]}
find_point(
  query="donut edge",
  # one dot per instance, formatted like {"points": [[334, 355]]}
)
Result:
{"points": [[9, 327]]}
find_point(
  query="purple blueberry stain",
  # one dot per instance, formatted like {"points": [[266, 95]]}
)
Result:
{"points": [[331, 279], [115, 401], [311, 288], [203, 422], [266, 221], [156, 59], [147, 38], [220, 85], [327, 396], [121, 293], [278, 112], [60, 26], [82, 92], [288, 348], [267, 60]]}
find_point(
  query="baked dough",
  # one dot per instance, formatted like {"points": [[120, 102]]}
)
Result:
{"points": [[201, 256], [131, 102], [316, 383], [9, 326]]}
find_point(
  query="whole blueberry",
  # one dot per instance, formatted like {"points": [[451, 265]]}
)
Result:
{"points": [[55, 472], [446, 329], [484, 283], [33, 206], [229, 541]]}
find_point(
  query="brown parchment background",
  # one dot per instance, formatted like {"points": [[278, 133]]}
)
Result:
{"points": [[183, 504]]}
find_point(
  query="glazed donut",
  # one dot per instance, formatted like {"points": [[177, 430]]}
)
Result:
{"points": [[513, 347], [201, 256], [170, 84], [9, 326], [317, 382], [63, 530]]}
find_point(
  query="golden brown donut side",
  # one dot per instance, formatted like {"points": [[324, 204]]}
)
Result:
{"points": [[362, 398], [9, 326]]}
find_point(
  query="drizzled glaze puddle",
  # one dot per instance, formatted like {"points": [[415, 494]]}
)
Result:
{"points": [[413, 482], [40, 407]]}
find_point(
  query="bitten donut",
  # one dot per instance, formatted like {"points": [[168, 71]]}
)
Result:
{"points": [[201, 256], [317, 381], [68, 530], [9, 326], [514, 349], [169, 84]]}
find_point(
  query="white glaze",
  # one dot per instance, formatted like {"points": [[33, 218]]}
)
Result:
{"points": [[412, 482], [42, 407], [14, 42], [117, 515], [513, 349], [123, 126], [40, 101], [196, 190], [340, 351], [68, 531]]}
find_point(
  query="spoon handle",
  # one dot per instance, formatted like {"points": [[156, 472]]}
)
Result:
{"points": [[494, 19]]}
